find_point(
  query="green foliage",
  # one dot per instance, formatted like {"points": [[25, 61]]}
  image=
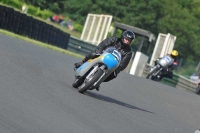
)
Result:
{"points": [[78, 27], [179, 22], [39, 13], [187, 70], [14, 3], [36, 11]]}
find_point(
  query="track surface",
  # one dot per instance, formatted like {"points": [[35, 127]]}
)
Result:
{"points": [[36, 96]]}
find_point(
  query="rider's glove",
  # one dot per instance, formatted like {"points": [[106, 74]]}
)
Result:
{"points": [[95, 54], [98, 52], [84, 60], [156, 61]]}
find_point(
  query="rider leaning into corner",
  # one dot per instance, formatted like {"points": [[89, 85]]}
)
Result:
{"points": [[122, 44], [169, 73]]}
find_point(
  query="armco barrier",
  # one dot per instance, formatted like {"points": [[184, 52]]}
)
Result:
{"points": [[22, 24], [79, 46]]}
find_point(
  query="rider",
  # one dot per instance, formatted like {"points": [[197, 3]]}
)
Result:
{"points": [[122, 44], [168, 73]]}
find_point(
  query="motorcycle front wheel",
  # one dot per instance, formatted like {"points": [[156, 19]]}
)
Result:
{"points": [[150, 74], [89, 82]]}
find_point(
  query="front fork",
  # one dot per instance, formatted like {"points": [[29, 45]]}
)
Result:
{"points": [[92, 72], [155, 74], [98, 82]]}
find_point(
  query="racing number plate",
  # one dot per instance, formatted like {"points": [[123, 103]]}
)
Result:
{"points": [[168, 59]]}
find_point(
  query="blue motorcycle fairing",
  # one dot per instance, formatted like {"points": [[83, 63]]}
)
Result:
{"points": [[110, 61], [82, 66]]}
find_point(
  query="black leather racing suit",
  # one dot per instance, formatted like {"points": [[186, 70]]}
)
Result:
{"points": [[125, 51]]}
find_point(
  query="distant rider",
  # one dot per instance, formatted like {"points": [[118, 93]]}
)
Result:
{"points": [[122, 44], [168, 73]]}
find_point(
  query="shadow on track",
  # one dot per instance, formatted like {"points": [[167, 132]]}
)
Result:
{"points": [[111, 100]]}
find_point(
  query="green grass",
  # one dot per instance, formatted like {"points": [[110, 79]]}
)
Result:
{"points": [[40, 43]]}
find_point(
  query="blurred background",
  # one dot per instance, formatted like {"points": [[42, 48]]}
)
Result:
{"points": [[177, 17]]}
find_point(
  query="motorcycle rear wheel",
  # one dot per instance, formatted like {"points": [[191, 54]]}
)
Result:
{"points": [[87, 84]]}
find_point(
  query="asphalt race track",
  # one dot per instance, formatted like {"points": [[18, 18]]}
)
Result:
{"points": [[36, 96]]}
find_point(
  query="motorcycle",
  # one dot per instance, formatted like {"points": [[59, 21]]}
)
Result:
{"points": [[197, 91], [93, 72], [160, 68]]}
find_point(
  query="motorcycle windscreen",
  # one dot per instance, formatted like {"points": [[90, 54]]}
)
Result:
{"points": [[110, 61]]}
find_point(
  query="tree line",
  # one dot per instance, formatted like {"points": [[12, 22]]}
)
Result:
{"points": [[178, 17]]}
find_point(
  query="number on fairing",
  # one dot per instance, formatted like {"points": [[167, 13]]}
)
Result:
{"points": [[117, 54], [167, 58]]}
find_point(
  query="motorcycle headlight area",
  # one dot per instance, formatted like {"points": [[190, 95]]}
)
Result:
{"points": [[110, 61]]}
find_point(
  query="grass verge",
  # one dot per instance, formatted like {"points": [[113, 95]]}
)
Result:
{"points": [[40, 43]]}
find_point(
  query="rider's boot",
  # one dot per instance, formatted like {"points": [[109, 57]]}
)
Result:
{"points": [[97, 88]]}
